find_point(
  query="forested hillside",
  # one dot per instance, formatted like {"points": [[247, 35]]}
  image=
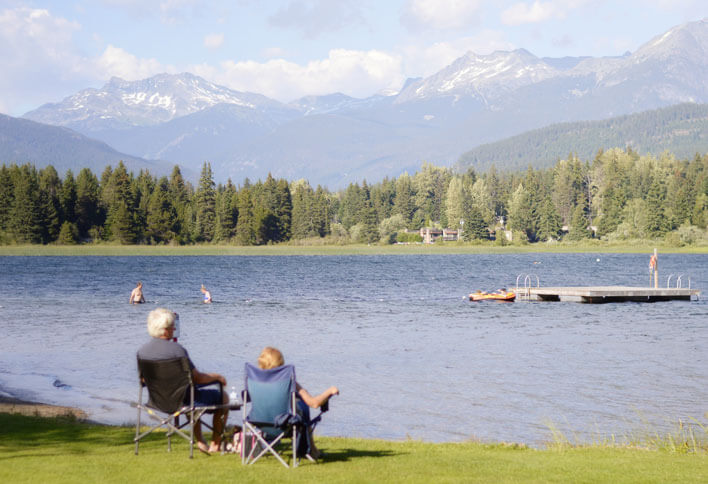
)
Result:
{"points": [[22, 140], [681, 130], [616, 195]]}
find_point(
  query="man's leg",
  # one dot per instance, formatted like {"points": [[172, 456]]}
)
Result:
{"points": [[219, 423]]}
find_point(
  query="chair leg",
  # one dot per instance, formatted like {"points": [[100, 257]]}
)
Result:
{"points": [[137, 432], [191, 432], [137, 424], [295, 460]]}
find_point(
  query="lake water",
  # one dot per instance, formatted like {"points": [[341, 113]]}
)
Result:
{"points": [[411, 356]]}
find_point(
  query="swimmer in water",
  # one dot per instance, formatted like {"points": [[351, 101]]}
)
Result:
{"points": [[207, 295], [136, 296]]}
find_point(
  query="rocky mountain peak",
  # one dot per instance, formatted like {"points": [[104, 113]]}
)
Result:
{"points": [[144, 102], [483, 76]]}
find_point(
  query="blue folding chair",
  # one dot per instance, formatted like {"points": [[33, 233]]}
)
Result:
{"points": [[271, 415]]}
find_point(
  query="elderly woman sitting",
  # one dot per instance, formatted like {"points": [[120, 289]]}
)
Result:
{"points": [[272, 358]]}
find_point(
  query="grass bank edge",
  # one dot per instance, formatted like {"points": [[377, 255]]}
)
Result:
{"points": [[34, 449], [635, 247]]}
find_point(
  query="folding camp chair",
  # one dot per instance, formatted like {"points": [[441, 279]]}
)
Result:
{"points": [[272, 415], [168, 381]]}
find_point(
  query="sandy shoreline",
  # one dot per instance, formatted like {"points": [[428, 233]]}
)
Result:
{"points": [[17, 406]]}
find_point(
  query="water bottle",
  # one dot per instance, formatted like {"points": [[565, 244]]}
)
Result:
{"points": [[233, 396], [175, 335]]}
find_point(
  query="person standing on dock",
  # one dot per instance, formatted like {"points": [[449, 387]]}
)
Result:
{"points": [[654, 269]]}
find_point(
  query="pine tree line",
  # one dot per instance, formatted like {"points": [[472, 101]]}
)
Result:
{"points": [[617, 195]]}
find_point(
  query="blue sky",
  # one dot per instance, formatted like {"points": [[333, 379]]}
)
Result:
{"points": [[289, 48]]}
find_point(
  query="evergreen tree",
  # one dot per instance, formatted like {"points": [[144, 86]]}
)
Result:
{"points": [[118, 195], [302, 197], [284, 210], [321, 212], [567, 187], [50, 190], [161, 216], [352, 205], [274, 208], [179, 197], [370, 226], [404, 199], [578, 229], [7, 190], [121, 223], [142, 188], [498, 193], [430, 185], [226, 213], [520, 214], [245, 228], [699, 216], [657, 223], [87, 208], [481, 200], [549, 224], [205, 206], [67, 197], [474, 228], [26, 218], [68, 234], [455, 202], [382, 197]]}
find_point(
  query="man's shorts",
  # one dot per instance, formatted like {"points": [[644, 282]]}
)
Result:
{"points": [[206, 397]]}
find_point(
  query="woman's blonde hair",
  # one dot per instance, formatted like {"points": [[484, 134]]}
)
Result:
{"points": [[270, 358]]}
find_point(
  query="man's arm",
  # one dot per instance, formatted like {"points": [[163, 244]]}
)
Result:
{"points": [[204, 378]]}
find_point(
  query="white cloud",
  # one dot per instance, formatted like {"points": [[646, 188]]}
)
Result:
{"points": [[35, 47], [440, 14], [169, 11], [273, 52], [213, 41], [315, 17], [117, 62], [523, 13], [355, 73], [538, 11]]}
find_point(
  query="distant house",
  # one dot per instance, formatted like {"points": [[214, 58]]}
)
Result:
{"points": [[430, 235]]}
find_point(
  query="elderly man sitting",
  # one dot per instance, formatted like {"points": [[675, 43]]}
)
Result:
{"points": [[162, 346]]}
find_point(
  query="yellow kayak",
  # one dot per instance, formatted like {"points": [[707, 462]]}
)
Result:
{"points": [[492, 296]]}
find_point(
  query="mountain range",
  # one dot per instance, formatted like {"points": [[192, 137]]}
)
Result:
{"points": [[335, 139]]}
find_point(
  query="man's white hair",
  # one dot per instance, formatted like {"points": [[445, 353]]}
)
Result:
{"points": [[158, 320]]}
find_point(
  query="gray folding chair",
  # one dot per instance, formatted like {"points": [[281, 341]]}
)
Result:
{"points": [[168, 382]]}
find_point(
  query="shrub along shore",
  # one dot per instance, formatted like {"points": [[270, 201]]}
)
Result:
{"points": [[64, 449], [638, 246]]}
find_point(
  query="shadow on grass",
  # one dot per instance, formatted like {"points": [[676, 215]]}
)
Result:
{"points": [[345, 455], [22, 432]]}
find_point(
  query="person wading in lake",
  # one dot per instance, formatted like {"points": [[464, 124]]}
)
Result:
{"points": [[207, 295], [161, 324], [136, 296]]}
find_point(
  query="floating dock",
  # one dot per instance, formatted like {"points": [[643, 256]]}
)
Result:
{"points": [[606, 294]]}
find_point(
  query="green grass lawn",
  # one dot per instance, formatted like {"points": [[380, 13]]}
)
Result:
{"points": [[352, 249], [34, 449]]}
